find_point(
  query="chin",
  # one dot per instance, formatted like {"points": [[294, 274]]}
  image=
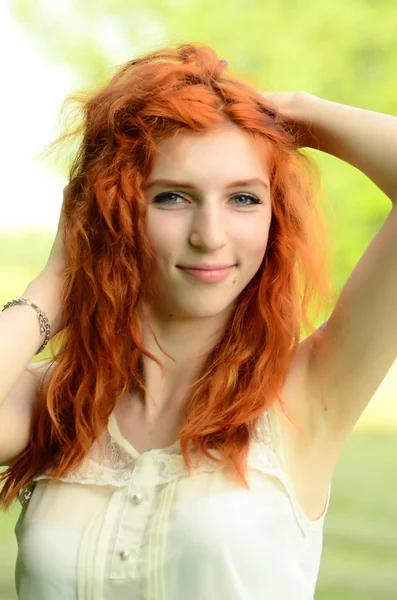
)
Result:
{"points": [[210, 309], [196, 310]]}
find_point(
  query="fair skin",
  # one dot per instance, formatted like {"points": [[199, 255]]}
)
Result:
{"points": [[207, 221]]}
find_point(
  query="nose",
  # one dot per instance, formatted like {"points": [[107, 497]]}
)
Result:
{"points": [[209, 227]]}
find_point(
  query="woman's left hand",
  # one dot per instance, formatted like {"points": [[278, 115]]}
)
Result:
{"points": [[294, 109]]}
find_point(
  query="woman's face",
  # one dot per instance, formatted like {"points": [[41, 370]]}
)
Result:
{"points": [[209, 203]]}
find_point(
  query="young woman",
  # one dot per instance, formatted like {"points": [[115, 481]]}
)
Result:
{"points": [[182, 440]]}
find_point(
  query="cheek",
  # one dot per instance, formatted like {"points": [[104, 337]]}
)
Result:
{"points": [[164, 236], [253, 241]]}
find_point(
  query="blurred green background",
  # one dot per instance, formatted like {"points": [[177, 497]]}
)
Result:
{"points": [[341, 51]]}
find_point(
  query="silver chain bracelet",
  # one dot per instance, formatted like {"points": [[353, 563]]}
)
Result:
{"points": [[43, 321]]}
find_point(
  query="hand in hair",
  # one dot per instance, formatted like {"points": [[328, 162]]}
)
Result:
{"points": [[292, 108]]}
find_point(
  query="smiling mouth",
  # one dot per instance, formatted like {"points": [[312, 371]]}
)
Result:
{"points": [[206, 267], [208, 275]]}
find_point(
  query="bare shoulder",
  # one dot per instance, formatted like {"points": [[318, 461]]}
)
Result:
{"points": [[23, 393], [17, 408], [41, 371]]}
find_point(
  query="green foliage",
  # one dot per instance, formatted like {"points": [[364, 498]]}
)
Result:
{"points": [[345, 51]]}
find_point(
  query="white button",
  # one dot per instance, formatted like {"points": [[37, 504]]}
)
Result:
{"points": [[137, 498], [124, 554]]}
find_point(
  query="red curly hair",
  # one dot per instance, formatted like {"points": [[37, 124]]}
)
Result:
{"points": [[110, 265]]}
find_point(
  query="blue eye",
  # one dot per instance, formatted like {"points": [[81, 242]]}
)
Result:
{"points": [[254, 199], [165, 199], [161, 197]]}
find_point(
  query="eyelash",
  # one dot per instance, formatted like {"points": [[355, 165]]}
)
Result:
{"points": [[160, 197]]}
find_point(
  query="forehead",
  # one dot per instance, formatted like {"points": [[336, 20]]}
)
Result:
{"points": [[226, 151]]}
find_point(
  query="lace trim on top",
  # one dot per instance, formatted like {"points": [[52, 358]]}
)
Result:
{"points": [[115, 465]]}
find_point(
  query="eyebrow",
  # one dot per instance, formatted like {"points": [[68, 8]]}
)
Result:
{"points": [[170, 183]]}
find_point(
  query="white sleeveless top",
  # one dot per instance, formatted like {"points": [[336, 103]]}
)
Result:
{"points": [[131, 526]]}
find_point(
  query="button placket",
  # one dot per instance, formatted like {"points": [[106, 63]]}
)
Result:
{"points": [[133, 520]]}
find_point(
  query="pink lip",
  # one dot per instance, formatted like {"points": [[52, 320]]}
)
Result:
{"points": [[207, 266], [208, 275]]}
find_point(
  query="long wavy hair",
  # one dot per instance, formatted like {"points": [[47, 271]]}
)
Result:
{"points": [[109, 266]]}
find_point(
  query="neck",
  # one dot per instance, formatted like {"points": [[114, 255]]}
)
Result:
{"points": [[187, 341]]}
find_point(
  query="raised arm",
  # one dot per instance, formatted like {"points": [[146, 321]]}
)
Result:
{"points": [[361, 334]]}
